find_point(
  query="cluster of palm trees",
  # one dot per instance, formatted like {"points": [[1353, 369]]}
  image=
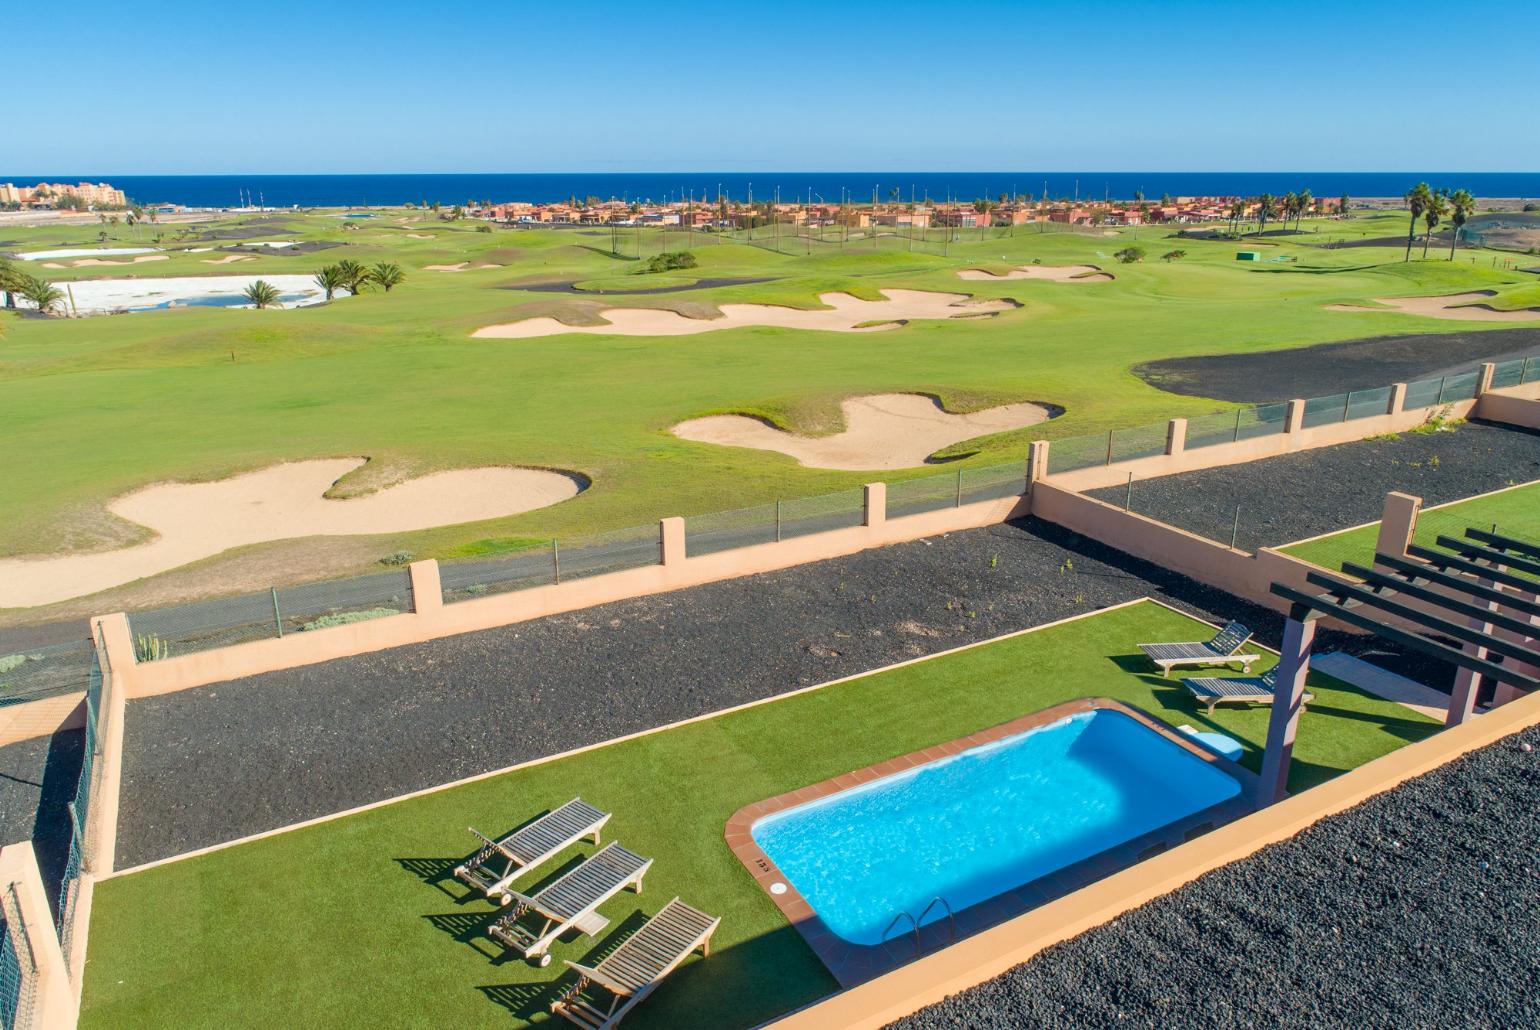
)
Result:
{"points": [[353, 277], [1433, 206], [41, 293], [1271, 208]]}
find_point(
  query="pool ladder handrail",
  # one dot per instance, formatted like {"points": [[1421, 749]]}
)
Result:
{"points": [[914, 923]]}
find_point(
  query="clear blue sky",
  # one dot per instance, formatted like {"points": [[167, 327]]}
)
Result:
{"points": [[167, 86]]}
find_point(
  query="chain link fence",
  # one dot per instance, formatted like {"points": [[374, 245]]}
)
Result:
{"points": [[80, 814], [554, 561], [34, 673], [205, 625], [18, 966]]}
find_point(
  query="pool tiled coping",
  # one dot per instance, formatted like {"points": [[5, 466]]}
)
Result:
{"points": [[852, 964]]}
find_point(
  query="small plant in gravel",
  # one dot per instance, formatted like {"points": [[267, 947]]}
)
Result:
{"points": [[476, 589], [1384, 437], [1440, 421], [148, 647], [1068, 565], [950, 605], [396, 558], [994, 562], [1433, 462]]}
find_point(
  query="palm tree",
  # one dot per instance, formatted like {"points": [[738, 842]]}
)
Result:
{"points": [[1265, 210], [1438, 207], [1461, 205], [1417, 199], [1288, 205], [1306, 202], [386, 275], [330, 279], [10, 283], [39, 292], [1237, 212], [354, 275], [262, 294]]}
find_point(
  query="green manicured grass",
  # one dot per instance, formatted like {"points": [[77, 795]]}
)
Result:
{"points": [[1514, 512], [358, 922], [103, 405]]}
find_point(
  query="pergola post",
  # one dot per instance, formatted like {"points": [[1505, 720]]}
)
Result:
{"points": [[1467, 682], [1283, 723]]}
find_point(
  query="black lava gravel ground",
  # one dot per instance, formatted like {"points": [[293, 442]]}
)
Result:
{"points": [[1419, 908], [1331, 368], [37, 781], [1296, 496], [216, 763]]}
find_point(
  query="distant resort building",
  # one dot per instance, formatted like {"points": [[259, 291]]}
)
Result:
{"points": [[49, 194]]}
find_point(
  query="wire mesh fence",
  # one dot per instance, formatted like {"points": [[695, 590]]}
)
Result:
{"points": [[1460, 387], [804, 516], [1531, 371], [615, 551], [727, 530], [205, 625], [1424, 393], [18, 966], [1137, 442], [38, 672], [467, 580]]}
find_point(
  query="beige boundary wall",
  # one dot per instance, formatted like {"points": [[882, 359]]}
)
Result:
{"points": [[1192, 555], [994, 951]]}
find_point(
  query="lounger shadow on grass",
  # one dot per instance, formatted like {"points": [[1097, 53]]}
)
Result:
{"points": [[437, 872], [527, 1001], [471, 927]]}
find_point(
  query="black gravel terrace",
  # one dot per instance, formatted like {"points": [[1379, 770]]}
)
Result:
{"points": [[1296, 496], [216, 763], [1418, 908]]}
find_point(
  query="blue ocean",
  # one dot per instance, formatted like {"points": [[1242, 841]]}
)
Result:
{"points": [[830, 187]]}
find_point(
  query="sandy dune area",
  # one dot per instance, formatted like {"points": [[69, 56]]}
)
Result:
{"points": [[844, 314], [882, 431], [198, 520], [1051, 273], [462, 266], [1459, 307], [228, 259]]}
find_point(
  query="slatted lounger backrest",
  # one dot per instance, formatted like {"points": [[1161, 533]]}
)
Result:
{"points": [[1229, 639]]}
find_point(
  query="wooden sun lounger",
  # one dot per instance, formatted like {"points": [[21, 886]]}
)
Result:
{"points": [[1217, 690], [570, 902], [1223, 649], [633, 970], [500, 862]]}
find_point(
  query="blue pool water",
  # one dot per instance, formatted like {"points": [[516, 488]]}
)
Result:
{"points": [[984, 822]]}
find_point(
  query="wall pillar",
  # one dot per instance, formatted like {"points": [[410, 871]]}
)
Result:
{"points": [[118, 642], [1484, 381], [1037, 461], [1176, 436], [1283, 722], [1294, 421], [874, 502], [1397, 524], [427, 588], [671, 540], [1397, 402]]}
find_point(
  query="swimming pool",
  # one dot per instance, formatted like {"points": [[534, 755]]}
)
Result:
{"points": [[978, 821]]}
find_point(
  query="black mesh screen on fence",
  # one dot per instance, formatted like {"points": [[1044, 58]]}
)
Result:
{"points": [[1459, 388], [1508, 373], [1324, 411], [464, 580], [204, 625], [1368, 403], [47, 671], [1424, 393], [1139, 442], [1209, 430]]}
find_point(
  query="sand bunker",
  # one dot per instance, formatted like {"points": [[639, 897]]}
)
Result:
{"points": [[1052, 273], [1459, 307], [462, 266], [199, 520], [85, 262], [844, 314], [419, 236], [228, 259], [882, 431]]}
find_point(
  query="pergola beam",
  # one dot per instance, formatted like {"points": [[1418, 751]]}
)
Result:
{"points": [[1504, 543], [1449, 561], [1423, 571], [1478, 552], [1368, 598], [1453, 604], [1320, 606]]}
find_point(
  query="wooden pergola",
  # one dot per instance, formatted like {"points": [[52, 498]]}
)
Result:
{"points": [[1478, 591]]}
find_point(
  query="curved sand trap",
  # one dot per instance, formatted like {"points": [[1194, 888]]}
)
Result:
{"points": [[1459, 307], [198, 520], [1052, 273], [844, 314], [228, 259], [419, 236], [462, 266], [85, 262], [882, 431]]}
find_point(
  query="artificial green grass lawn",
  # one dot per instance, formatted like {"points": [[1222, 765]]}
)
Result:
{"points": [[103, 405], [359, 922], [1514, 512]]}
